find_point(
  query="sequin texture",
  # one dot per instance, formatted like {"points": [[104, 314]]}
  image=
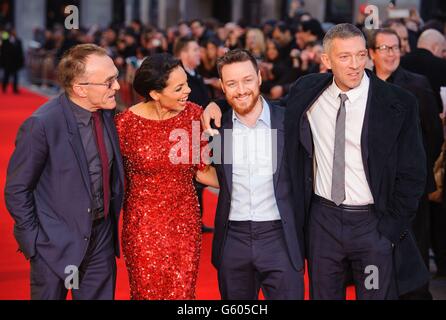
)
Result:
{"points": [[161, 236]]}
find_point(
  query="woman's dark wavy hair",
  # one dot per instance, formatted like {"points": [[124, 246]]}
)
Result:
{"points": [[154, 73]]}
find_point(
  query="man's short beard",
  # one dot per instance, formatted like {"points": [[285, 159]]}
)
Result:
{"points": [[245, 111]]}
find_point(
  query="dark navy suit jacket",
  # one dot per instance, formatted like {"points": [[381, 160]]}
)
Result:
{"points": [[292, 220], [393, 157], [48, 190]]}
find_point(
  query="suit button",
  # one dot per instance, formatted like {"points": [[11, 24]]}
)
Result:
{"points": [[86, 238], [89, 210]]}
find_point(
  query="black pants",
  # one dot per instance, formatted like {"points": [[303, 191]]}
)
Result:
{"points": [[438, 236], [97, 272], [255, 256], [15, 77], [421, 230], [344, 238]]}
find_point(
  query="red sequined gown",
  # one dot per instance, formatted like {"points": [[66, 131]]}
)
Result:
{"points": [[161, 235]]}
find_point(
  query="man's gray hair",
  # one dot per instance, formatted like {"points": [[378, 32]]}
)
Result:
{"points": [[341, 31]]}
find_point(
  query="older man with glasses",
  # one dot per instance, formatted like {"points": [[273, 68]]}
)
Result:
{"points": [[65, 183], [385, 51]]}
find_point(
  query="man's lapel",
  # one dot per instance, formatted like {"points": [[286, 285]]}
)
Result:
{"points": [[75, 140], [113, 135], [382, 124], [278, 140], [226, 147]]}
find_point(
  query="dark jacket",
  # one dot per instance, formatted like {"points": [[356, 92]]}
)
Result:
{"points": [[199, 91], [431, 126], [393, 156], [48, 190], [292, 220], [423, 62], [11, 55]]}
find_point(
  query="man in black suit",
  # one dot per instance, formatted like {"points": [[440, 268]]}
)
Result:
{"points": [[357, 165], [199, 31], [12, 60], [385, 51], [428, 60], [188, 51], [259, 240], [65, 183]]}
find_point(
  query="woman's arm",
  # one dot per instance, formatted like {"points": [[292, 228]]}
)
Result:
{"points": [[208, 176]]}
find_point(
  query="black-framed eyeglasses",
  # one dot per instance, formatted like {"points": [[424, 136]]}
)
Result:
{"points": [[109, 84], [387, 49]]}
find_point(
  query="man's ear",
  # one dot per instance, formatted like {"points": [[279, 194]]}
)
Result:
{"points": [[326, 60], [259, 74], [79, 91]]}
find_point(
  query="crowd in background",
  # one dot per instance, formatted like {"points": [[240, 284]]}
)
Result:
{"points": [[285, 49]]}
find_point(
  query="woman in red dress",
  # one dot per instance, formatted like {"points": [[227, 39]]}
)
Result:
{"points": [[161, 235]]}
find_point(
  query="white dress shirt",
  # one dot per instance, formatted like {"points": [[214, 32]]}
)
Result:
{"points": [[253, 166], [322, 118]]}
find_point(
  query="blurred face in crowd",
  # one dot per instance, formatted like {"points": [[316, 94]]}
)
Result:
{"points": [[211, 51], [191, 55], [347, 59], [241, 84], [129, 40], [109, 36], [97, 88], [304, 37], [184, 30], [222, 33], [300, 39], [386, 54], [272, 53], [283, 38], [174, 96], [404, 37], [251, 40], [197, 29]]}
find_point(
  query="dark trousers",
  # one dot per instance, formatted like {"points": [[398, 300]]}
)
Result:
{"points": [[15, 77], [255, 257], [346, 238], [421, 230], [438, 236], [97, 272]]}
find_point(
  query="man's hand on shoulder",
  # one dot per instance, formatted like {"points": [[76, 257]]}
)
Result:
{"points": [[212, 112]]}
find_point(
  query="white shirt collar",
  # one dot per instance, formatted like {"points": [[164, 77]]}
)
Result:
{"points": [[352, 94], [190, 71]]}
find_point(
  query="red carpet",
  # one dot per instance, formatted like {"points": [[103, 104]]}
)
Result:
{"points": [[14, 269]]}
